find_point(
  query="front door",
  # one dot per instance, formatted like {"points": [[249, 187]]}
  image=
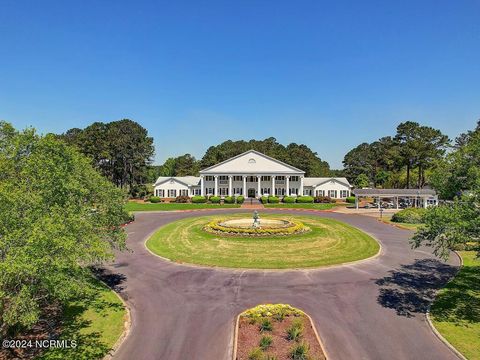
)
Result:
{"points": [[251, 193]]}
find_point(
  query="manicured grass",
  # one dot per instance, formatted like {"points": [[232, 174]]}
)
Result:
{"points": [[330, 242], [456, 310], [95, 324], [135, 206], [401, 225], [302, 206]]}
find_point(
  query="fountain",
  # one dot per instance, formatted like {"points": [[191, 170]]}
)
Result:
{"points": [[245, 226]]}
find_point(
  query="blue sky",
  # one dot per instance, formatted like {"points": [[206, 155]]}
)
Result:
{"points": [[330, 74]]}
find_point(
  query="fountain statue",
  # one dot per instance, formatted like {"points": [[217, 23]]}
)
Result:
{"points": [[256, 219]]}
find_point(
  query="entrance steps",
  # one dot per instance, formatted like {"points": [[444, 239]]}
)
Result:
{"points": [[252, 203]]}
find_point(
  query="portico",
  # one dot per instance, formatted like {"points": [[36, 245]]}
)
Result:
{"points": [[251, 185]]}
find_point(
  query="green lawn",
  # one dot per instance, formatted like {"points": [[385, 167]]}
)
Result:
{"points": [[135, 206], [302, 206], [330, 242], [95, 325], [401, 225], [456, 310]]}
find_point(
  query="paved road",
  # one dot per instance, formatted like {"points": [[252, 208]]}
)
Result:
{"points": [[370, 310]]}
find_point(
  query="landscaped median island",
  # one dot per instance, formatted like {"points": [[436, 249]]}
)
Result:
{"points": [[456, 310], [276, 332], [329, 242]]}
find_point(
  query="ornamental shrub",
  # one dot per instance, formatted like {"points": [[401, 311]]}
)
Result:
{"points": [[350, 199], [323, 199], [265, 342], [410, 216], [255, 354], [264, 199], [215, 199], [229, 200], [199, 199], [288, 199], [240, 199], [304, 199], [182, 199], [273, 200], [155, 199]]}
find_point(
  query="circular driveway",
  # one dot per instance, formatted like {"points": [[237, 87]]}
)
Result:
{"points": [[373, 309]]}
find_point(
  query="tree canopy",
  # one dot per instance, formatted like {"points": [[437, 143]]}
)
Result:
{"points": [[58, 215], [121, 150], [390, 161], [300, 156], [459, 171]]}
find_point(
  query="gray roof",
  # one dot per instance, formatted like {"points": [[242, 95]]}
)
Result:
{"points": [[394, 192], [315, 181], [187, 180]]}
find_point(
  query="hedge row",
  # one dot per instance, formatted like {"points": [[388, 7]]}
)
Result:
{"points": [[410, 216]]}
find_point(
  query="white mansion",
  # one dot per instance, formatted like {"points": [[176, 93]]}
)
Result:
{"points": [[251, 174]]}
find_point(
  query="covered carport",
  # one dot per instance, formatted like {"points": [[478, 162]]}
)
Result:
{"points": [[412, 197]]}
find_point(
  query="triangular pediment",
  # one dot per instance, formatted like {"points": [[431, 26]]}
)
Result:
{"points": [[252, 162]]}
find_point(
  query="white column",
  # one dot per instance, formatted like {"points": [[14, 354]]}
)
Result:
{"points": [[273, 186], [301, 186], [259, 182], [287, 185], [202, 187], [244, 185], [216, 186], [230, 185]]}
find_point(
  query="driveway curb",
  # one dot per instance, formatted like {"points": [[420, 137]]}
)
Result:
{"points": [[126, 329], [429, 320]]}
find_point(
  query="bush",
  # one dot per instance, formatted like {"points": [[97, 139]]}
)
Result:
{"points": [[229, 200], [182, 199], [350, 199], [304, 199], [294, 332], [255, 354], [215, 199], [323, 199], [273, 200], [266, 325], [154, 199], [265, 342], [300, 352], [264, 199], [199, 199], [240, 199], [288, 199], [410, 216]]}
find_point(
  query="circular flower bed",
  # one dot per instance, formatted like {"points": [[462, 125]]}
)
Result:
{"points": [[268, 227]]}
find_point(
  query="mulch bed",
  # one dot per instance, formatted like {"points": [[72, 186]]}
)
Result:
{"points": [[249, 337], [49, 327]]}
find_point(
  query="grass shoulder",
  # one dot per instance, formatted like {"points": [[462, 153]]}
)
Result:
{"points": [[137, 206], [456, 310], [96, 325]]}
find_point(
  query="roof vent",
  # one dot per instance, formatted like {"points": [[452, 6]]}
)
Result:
{"points": [[251, 161]]}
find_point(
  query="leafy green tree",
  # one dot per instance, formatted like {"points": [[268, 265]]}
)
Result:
{"points": [[121, 150], [460, 170], [451, 226], [361, 181], [419, 146], [186, 165], [58, 215]]}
